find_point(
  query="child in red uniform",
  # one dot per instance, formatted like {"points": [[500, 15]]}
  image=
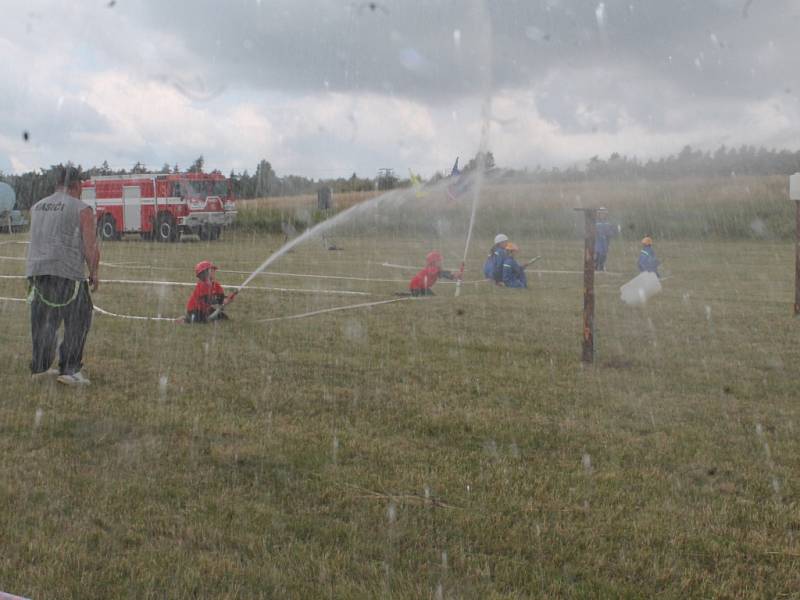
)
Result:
{"points": [[422, 282], [208, 298]]}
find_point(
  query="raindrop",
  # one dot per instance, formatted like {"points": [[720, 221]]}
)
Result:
{"points": [[759, 227], [37, 418], [533, 33], [391, 513], [411, 59], [600, 14], [457, 38], [163, 381], [491, 448], [335, 449], [586, 461]]}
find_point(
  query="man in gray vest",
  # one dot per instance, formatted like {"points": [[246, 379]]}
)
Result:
{"points": [[62, 241]]}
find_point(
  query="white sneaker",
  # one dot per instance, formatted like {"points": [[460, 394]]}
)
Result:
{"points": [[73, 379]]}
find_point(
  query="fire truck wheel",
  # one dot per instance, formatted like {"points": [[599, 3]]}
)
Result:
{"points": [[166, 229], [107, 229]]}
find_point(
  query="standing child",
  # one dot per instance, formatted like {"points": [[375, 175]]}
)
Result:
{"points": [[423, 281], [647, 257], [604, 231], [493, 267], [513, 274], [208, 298]]}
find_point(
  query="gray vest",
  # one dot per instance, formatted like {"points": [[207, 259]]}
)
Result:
{"points": [[56, 246]]}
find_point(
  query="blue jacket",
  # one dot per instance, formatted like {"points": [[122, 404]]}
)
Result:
{"points": [[648, 260], [493, 267], [513, 275], [602, 239]]}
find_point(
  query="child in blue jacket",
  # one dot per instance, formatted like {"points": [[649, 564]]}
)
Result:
{"points": [[604, 231], [647, 257], [513, 274], [493, 267]]}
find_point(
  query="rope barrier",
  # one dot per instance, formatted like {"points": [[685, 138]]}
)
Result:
{"points": [[104, 312], [269, 273], [186, 284], [134, 317], [337, 308]]}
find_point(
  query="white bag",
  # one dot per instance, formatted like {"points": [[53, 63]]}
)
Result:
{"points": [[639, 289]]}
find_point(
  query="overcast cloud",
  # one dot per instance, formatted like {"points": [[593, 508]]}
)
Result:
{"points": [[325, 88]]}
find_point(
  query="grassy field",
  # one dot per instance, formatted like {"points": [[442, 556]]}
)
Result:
{"points": [[452, 447], [725, 208]]}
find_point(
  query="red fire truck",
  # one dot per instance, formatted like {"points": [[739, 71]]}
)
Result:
{"points": [[161, 206]]}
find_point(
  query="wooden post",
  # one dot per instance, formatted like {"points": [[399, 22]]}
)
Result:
{"points": [[797, 260], [590, 215]]}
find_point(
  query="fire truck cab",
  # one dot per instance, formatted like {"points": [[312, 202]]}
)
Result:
{"points": [[161, 206]]}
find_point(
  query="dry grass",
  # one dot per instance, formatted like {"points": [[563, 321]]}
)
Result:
{"points": [[341, 201]]}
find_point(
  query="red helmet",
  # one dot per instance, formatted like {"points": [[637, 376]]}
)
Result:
{"points": [[203, 265], [433, 257]]}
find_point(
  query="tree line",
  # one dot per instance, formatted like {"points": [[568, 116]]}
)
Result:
{"points": [[689, 162], [263, 182]]}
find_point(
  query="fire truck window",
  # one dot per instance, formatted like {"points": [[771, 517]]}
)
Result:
{"points": [[176, 190]]}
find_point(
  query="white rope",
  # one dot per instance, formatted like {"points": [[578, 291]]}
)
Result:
{"points": [[104, 312], [337, 308], [270, 273], [134, 317], [312, 276], [545, 272], [394, 266], [185, 284]]}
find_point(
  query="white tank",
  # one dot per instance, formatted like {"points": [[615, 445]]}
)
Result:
{"points": [[794, 186], [639, 289], [7, 198]]}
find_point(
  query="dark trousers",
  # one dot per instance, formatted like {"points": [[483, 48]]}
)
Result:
{"points": [[199, 316], [600, 261], [422, 292], [45, 321]]}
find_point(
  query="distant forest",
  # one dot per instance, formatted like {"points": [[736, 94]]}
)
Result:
{"points": [[264, 182]]}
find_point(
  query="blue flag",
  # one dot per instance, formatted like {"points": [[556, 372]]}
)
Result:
{"points": [[455, 170]]}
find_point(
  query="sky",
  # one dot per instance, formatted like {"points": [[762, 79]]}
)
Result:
{"points": [[326, 88]]}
